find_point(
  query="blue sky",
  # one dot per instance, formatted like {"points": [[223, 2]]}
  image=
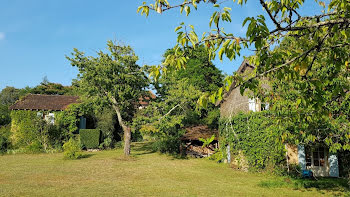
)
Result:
{"points": [[35, 35]]}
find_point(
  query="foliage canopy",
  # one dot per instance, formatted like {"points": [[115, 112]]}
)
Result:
{"points": [[113, 79]]}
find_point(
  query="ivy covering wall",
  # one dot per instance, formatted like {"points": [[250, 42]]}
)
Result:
{"points": [[23, 128], [30, 131], [254, 135]]}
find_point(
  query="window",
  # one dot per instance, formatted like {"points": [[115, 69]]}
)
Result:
{"points": [[50, 118], [308, 156], [315, 157], [264, 106], [252, 105]]}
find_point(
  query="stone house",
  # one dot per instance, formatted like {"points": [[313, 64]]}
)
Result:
{"points": [[315, 158], [47, 106]]}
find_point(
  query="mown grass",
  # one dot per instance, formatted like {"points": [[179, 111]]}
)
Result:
{"points": [[145, 173]]}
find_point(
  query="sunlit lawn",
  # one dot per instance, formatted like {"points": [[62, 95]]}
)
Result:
{"points": [[108, 173]]}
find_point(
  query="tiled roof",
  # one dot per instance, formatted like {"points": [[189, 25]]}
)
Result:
{"points": [[241, 70], [199, 131], [144, 101], [44, 102]]}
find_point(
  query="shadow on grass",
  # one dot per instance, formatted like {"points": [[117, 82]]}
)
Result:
{"points": [[148, 147], [321, 184], [142, 148], [83, 156], [178, 157]]}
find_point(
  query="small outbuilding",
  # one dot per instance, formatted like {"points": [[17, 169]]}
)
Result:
{"points": [[193, 146]]}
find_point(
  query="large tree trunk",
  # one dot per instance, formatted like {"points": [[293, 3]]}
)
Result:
{"points": [[126, 129]]}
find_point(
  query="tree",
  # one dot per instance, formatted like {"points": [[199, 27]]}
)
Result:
{"points": [[46, 87], [321, 37], [9, 96], [313, 103], [166, 118], [176, 104], [331, 23], [114, 78], [199, 71], [5, 117]]}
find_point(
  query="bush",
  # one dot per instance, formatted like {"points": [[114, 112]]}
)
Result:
{"points": [[90, 138], [218, 156], [72, 149], [106, 122], [168, 144], [119, 145], [5, 138], [34, 147]]}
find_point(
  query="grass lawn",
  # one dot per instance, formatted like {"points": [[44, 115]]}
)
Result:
{"points": [[108, 173]]}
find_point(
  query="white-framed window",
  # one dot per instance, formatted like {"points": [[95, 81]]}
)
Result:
{"points": [[252, 104], [315, 156], [50, 118]]}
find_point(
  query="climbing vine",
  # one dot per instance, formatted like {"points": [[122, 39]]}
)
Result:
{"points": [[255, 135]]}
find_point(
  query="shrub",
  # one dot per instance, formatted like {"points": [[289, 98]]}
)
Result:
{"points": [[106, 121], [218, 156], [119, 145], [106, 144], [5, 138], [34, 147], [72, 149], [168, 144], [90, 138]]}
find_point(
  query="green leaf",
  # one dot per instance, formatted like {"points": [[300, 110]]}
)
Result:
{"points": [[177, 28], [187, 10]]}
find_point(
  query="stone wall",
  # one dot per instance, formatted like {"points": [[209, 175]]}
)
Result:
{"points": [[234, 104]]}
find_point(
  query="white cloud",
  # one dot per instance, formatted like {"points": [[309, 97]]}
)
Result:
{"points": [[2, 36]]}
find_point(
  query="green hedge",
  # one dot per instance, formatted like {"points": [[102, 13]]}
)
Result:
{"points": [[90, 138], [256, 135]]}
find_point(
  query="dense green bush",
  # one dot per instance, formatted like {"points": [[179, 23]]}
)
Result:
{"points": [[90, 138], [72, 149], [106, 121], [34, 147], [4, 115], [218, 156], [169, 143], [5, 142], [255, 135]]}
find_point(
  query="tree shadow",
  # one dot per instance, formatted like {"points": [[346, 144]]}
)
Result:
{"points": [[179, 157], [326, 184], [84, 156], [335, 185], [143, 148]]}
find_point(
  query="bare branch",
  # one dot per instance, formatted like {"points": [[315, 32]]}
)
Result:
{"points": [[172, 109]]}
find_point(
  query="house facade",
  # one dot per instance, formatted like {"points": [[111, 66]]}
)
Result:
{"points": [[315, 158], [46, 106]]}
